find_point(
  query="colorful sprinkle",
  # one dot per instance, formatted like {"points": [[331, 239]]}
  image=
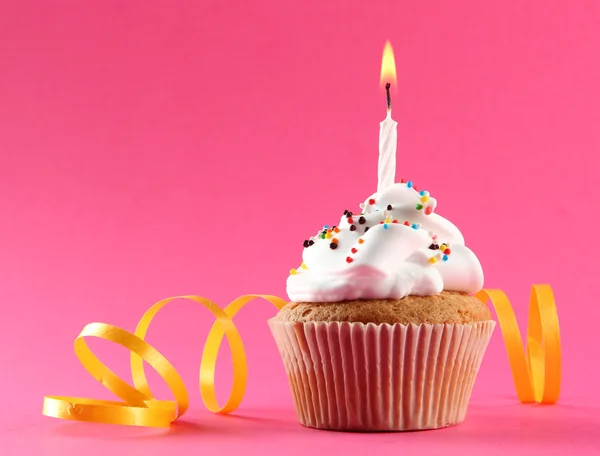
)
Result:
{"points": [[328, 235], [445, 258], [402, 181], [334, 240], [333, 245], [349, 260], [447, 251], [428, 210], [433, 260], [362, 220], [352, 227], [350, 220], [409, 184], [361, 240], [419, 207], [424, 199], [407, 223], [293, 272], [385, 226], [424, 193], [388, 220], [354, 250], [303, 266], [371, 201], [443, 246], [415, 226]]}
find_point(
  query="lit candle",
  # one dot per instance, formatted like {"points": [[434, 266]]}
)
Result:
{"points": [[388, 133]]}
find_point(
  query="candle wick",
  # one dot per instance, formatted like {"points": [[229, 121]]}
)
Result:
{"points": [[389, 97]]}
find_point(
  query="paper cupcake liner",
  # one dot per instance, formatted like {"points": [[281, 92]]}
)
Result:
{"points": [[357, 377]]}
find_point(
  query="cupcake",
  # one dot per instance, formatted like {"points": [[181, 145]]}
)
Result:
{"points": [[382, 332]]}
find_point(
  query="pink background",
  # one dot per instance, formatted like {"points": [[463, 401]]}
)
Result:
{"points": [[157, 148]]}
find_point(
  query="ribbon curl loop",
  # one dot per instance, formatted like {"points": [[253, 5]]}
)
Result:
{"points": [[139, 407], [536, 371]]}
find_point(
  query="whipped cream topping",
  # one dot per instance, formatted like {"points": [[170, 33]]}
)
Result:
{"points": [[397, 246]]}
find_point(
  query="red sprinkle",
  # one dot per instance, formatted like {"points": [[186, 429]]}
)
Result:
{"points": [[349, 260], [447, 251], [395, 221], [350, 220], [371, 201], [354, 250], [402, 181], [428, 210], [406, 223]]}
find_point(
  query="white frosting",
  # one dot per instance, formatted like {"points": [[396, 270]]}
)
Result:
{"points": [[389, 260]]}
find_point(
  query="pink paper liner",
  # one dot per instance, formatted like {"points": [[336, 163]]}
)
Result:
{"points": [[367, 377]]}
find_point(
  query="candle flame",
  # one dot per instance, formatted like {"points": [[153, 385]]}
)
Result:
{"points": [[388, 66]]}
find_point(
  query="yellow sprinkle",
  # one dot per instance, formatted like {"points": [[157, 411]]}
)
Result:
{"points": [[432, 260], [303, 266], [424, 199], [328, 235], [388, 220], [443, 247], [293, 272]]}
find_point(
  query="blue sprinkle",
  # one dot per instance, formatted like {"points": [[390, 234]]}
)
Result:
{"points": [[409, 184], [326, 226], [415, 226], [422, 193], [385, 226], [445, 258]]}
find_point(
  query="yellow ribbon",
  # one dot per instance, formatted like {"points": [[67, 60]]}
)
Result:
{"points": [[536, 374], [139, 407]]}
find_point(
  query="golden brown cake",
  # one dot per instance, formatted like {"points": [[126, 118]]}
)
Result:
{"points": [[446, 308]]}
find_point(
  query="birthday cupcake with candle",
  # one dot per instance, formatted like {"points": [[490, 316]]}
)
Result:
{"points": [[383, 332]]}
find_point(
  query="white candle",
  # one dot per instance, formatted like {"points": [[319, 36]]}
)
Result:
{"points": [[388, 131], [388, 138]]}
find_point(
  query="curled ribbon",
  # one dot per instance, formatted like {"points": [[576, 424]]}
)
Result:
{"points": [[139, 408], [536, 374]]}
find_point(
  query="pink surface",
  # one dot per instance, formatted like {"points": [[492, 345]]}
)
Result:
{"points": [[150, 149]]}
